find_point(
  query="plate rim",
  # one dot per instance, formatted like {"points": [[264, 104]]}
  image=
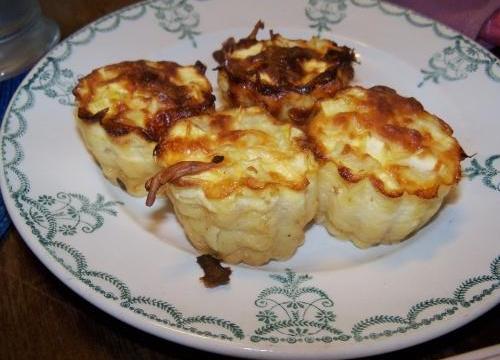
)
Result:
{"points": [[185, 338]]}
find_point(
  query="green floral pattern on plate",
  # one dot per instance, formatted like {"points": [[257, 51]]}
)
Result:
{"points": [[70, 212], [294, 313], [64, 214], [177, 16], [454, 62], [490, 172], [324, 13], [291, 312], [459, 60], [426, 312], [304, 314]]}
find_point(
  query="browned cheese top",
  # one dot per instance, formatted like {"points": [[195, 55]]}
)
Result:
{"points": [[279, 65], [391, 140], [247, 148], [144, 97]]}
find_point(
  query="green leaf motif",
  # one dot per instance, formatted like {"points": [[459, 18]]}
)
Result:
{"points": [[297, 314], [179, 17], [458, 60], [51, 217], [293, 313], [267, 316], [490, 172], [324, 13], [429, 311], [67, 229], [455, 62], [287, 312], [71, 212]]}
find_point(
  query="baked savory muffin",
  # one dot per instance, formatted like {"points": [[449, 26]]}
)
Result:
{"points": [[284, 76], [242, 184], [123, 109], [385, 164]]}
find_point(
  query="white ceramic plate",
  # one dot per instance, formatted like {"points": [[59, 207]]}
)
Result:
{"points": [[331, 299]]}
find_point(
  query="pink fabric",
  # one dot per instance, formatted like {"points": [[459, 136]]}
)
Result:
{"points": [[490, 32], [465, 16]]}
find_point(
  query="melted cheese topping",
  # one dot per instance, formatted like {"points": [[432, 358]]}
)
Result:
{"points": [[143, 96], [390, 139], [278, 60], [258, 152], [284, 76]]}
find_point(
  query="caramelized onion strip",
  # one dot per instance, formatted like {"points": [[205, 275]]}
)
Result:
{"points": [[173, 173], [258, 26]]}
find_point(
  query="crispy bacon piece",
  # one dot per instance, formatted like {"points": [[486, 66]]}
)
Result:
{"points": [[215, 273], [175, 172]]}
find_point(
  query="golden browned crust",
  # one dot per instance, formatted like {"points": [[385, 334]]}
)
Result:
{"points": [[144, 97], [241, 183], [254, 149], [284, 76], [389, 139]]}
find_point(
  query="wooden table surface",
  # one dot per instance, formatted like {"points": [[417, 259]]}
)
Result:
{"points": [[41, 318]]}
